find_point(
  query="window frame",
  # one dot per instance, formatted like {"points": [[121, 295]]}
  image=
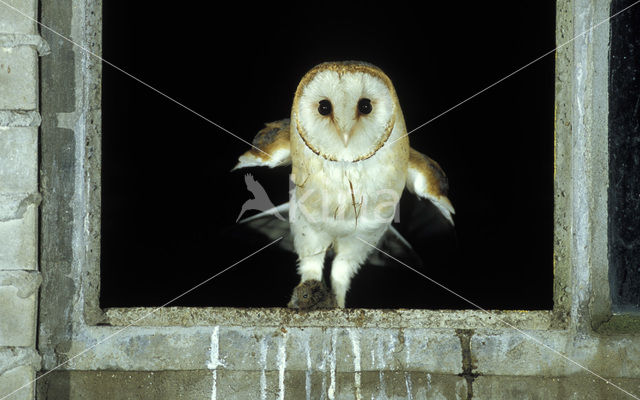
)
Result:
{"points": [[71, 320]]}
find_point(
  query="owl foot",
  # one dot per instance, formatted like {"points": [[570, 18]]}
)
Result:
{"points": [[312, 295]]}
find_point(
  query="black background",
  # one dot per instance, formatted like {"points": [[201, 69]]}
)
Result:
{"points": [[169, 201], [624, 164]]}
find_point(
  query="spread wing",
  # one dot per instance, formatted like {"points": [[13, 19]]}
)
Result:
{"points": [[427, 180], [273, 142]]}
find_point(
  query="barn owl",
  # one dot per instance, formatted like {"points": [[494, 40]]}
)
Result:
{"points": [[348, 148]]}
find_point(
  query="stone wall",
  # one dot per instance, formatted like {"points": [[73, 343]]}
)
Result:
{"points": [[20, 47]]}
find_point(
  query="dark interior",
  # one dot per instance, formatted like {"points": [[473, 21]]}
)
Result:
{"points": [[624, 163], [169, 200]]}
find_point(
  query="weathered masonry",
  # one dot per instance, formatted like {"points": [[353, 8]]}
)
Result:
{"points": [[20, 47], [51, 325]]}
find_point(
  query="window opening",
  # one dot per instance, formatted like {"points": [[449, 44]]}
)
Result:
{"points": [[624, 160], [169, 201]]}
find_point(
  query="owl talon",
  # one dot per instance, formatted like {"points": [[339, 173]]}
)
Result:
{"points": [[312, 295]]}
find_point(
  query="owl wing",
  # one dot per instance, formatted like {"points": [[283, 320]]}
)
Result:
{"points": [[273, 228], [392, 242], [273, 142], [427, 180]]}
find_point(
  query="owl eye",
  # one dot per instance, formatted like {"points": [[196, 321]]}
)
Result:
{"points": [[324, 107], [364, 106]]}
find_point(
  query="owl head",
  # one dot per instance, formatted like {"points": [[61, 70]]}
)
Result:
{"points": [[345, 111]]}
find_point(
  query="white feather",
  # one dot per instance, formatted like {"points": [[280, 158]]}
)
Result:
{"points": [[280, 157], [344, 91], [417, 183]]}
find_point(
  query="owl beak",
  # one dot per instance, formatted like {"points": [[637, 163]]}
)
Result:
{"points": [[345, 132], [345, 136]]}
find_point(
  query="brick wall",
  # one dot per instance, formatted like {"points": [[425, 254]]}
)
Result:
{"points": [[20, 46]]}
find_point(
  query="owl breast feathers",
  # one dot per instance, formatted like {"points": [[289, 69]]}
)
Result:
{"points": [[347, 144]]}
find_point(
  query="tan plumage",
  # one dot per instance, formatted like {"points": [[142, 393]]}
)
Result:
{"points": [[271, 146], [427, 180], [351, 160]]}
